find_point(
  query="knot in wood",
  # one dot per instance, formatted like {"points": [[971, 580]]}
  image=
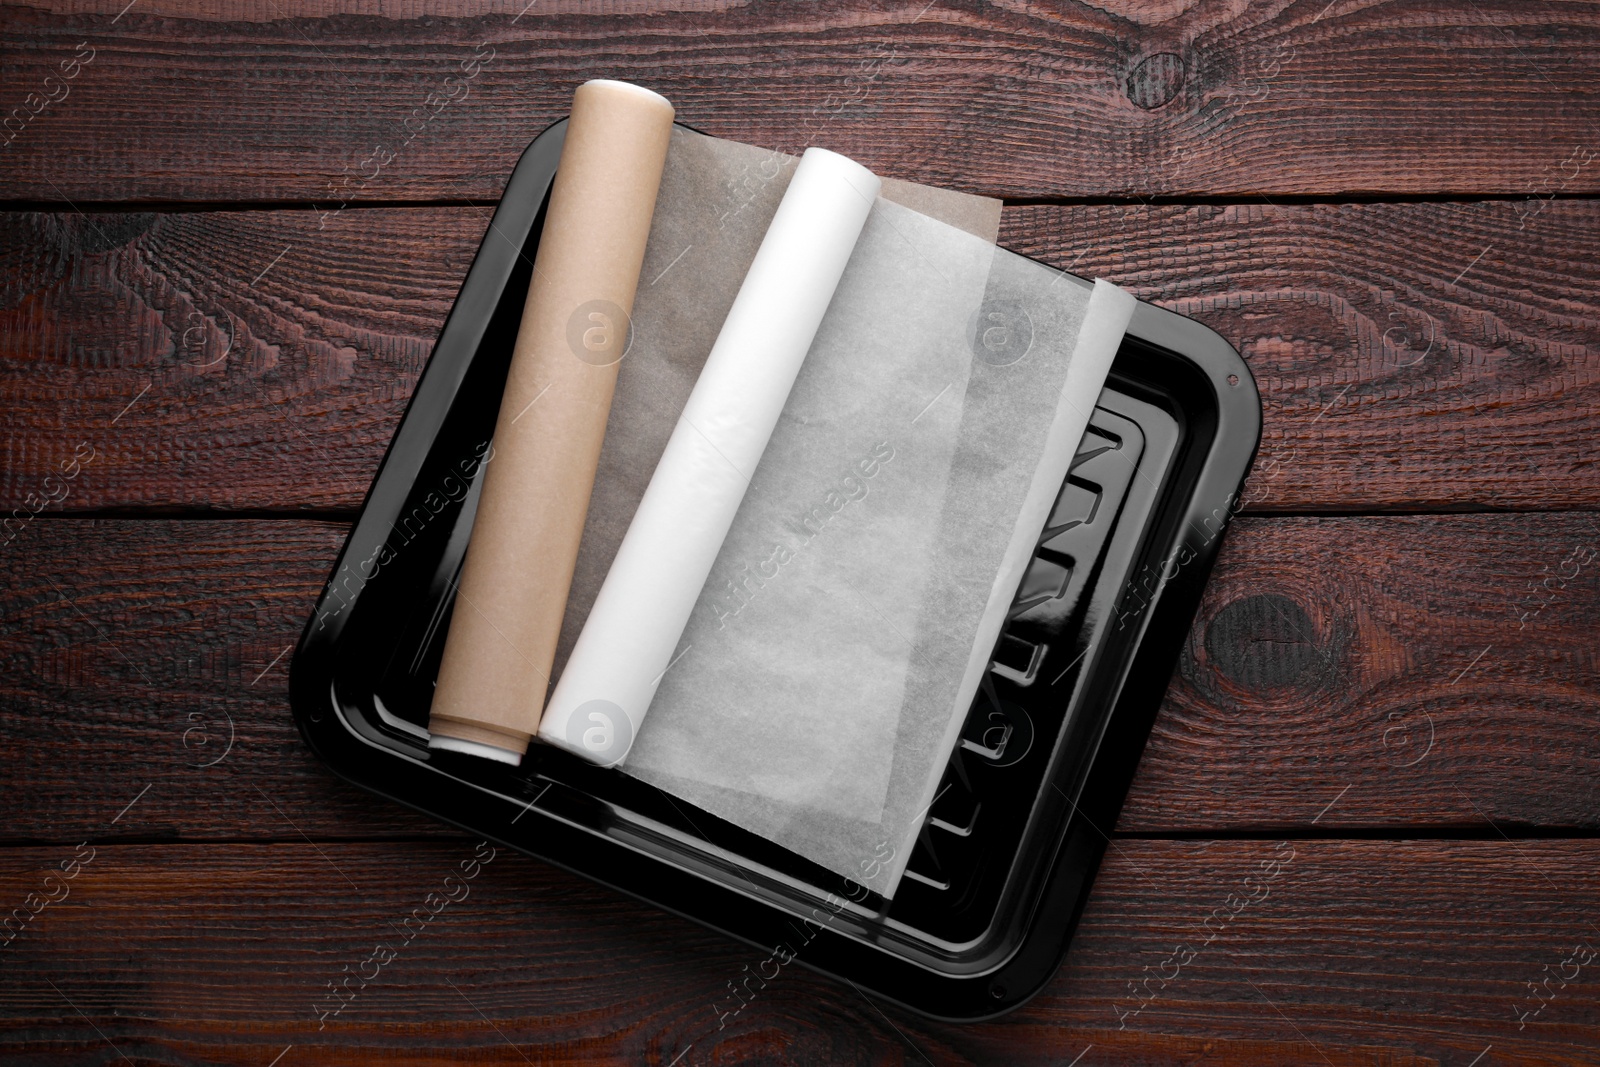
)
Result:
{"points": [[1155, 80], [1266, 642]]}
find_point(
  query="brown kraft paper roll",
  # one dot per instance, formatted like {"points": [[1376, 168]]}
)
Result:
{"points": [[502, 640]]}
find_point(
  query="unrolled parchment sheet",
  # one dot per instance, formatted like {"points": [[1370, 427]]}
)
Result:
{"points": [[1021, 426], [792, 671], [816, 692], [841, 763]]}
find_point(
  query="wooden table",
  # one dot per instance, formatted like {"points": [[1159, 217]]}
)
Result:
{"points": [[228, 244]]}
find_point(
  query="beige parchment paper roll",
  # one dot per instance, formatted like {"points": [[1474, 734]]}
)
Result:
{"points": [[552, 422]]}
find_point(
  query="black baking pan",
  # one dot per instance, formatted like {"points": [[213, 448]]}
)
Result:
{"points": [[1005, 861]]}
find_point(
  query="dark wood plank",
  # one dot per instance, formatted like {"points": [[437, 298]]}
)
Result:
{"points": [[1351, 953], [1214, 98], [150, 659], [1411, 356], [1439, 669], [233, 359], [1419, 357], [1326, 655]]}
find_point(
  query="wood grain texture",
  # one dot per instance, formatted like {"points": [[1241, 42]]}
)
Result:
{"points": [[1013, 99], [1429, 671], [231, 359], [1410, 356], [149, 660], [1350, 953], [1331, 657], [1351, 683], [1430, 357]]}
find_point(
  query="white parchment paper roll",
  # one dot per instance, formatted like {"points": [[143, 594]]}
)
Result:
{"points": [[628, 640]]}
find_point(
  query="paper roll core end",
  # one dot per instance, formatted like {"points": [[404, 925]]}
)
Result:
{"points": [[473, 748], [477, 739]]}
